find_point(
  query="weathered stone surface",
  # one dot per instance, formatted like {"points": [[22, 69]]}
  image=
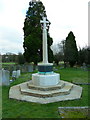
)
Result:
{"points": [[51, 93], [45, 80], [14, 93], [18, 73], [60, 85], [14, 74], [5, 77]]}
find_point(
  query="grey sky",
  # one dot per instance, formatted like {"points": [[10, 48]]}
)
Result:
{"points": [[64, 15]]}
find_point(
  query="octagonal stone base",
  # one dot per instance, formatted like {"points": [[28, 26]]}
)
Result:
{"points": [[28, 92]]}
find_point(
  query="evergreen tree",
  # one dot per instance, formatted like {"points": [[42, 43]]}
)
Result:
{"points": [[70, 50], [33, 33], [84, 56], [20, 58]]}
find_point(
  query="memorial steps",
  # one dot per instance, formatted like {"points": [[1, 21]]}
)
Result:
{"points": [[45, 93], [28, 92], [60, 85]]}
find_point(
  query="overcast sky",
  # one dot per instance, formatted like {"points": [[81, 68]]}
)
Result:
{"points": [[64, 15]]}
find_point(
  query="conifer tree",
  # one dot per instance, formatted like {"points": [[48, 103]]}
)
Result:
{"points": [[70, 50], [33, 33]]}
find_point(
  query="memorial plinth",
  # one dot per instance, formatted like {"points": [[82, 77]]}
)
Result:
{"points": [[45, 75], [45, 80]]}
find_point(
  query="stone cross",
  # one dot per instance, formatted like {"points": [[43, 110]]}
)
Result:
{"points": [[45, 50]]}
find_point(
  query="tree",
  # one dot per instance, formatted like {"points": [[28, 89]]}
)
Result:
{"points": [[88, 56], [20, 58], [59, 55], [84, 55], [9, 57], [70, 50], [33, 33]]}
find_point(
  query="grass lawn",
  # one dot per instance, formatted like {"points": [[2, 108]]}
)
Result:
{"points": [[8, 63], [19, 109]]}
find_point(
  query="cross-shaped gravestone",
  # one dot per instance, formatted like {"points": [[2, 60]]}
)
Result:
{"points": [[45, 50]]}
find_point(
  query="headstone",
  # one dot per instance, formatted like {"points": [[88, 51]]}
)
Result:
{"points": [[5, 77], [26, 68], [14, 73], [30, 68], [18, 67], [22, 68], [18, 73]]}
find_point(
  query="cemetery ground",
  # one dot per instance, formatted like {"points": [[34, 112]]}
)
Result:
{"points": [[12, 108]]}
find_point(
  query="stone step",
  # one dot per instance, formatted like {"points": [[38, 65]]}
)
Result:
{"points": [[60, 85], [14, 93], [44, 94]]}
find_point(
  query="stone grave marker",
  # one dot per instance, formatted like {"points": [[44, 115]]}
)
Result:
{"points": [[14, 73], [18, 67], [5, 77], [18, 72], [24, 69], [30, 68]]}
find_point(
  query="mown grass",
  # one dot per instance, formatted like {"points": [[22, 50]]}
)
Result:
{"points": [[7, 63], [18, 109]]}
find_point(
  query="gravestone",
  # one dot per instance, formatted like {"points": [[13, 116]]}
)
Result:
{"points": [[17, 67], [5, 77], [30, 68], [18, 72], [24, 69], [14, 73]]}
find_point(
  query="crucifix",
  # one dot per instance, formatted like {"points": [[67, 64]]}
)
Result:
{"points": [[45, 50]]}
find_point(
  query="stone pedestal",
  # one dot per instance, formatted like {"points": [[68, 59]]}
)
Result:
{"points": [[45, 80], [45, 76]]}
